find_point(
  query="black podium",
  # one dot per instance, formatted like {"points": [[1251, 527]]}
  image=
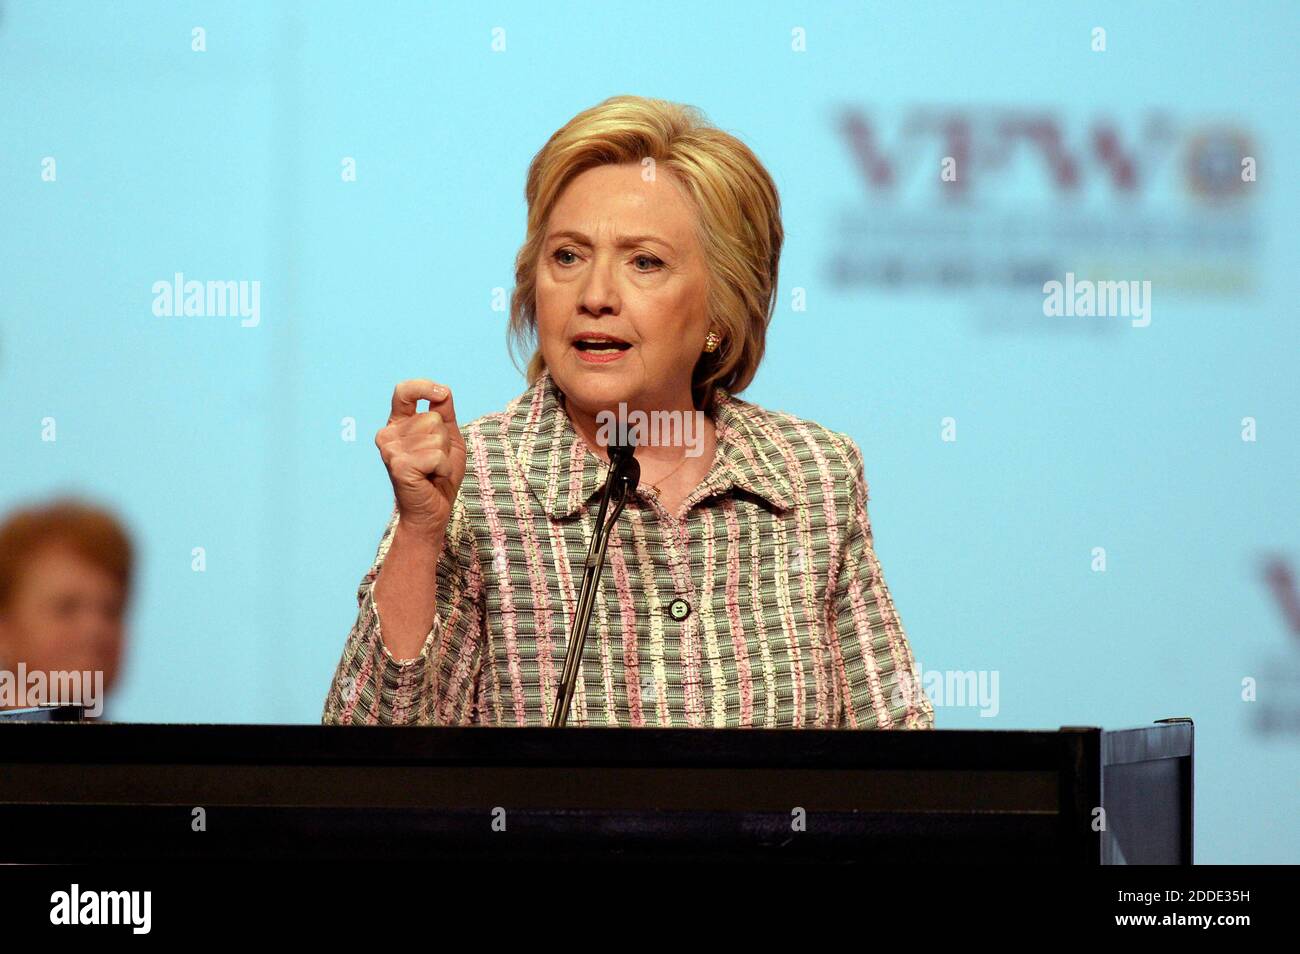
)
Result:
{"points": [[92, 791]]}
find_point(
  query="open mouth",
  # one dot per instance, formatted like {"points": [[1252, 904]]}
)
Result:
{"points": [[600, 345]]}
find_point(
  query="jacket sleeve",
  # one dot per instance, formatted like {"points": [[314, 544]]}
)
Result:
{"points": [[437, 687], [881, 683]]}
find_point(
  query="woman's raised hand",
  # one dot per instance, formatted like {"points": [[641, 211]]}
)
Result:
{"points": [[425, 456]]}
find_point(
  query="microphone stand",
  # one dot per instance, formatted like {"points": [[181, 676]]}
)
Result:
{"points": [[620, 484]]}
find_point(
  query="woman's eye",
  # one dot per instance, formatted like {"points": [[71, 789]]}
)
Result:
{"points": [[655, 263], [563, 251]]}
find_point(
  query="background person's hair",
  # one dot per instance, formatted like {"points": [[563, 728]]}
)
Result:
{"points": [[737, 208], [86, 530]]}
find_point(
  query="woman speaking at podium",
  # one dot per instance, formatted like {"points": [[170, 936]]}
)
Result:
{"points": [[740, 585]]}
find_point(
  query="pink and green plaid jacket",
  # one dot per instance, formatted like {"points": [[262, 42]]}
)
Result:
{"points": [[764, 606]]}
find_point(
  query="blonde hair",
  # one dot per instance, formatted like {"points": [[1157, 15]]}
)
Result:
{"points": [[739, 224]]}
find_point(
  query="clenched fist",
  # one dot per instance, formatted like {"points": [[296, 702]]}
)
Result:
{"points": [[425, 456]]}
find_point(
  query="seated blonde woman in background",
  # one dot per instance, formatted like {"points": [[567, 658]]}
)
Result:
{"points": [[741, 586]]}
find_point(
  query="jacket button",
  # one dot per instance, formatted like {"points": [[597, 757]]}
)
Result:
{"points": [[679, 609]]}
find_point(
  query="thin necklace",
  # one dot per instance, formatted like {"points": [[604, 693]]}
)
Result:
{"points": [[655, 486]]}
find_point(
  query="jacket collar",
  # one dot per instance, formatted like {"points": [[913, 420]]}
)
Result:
{"points": [[564, 473]]}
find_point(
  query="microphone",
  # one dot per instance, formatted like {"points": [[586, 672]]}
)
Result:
{"points": [[624, 467], [620, 483]]}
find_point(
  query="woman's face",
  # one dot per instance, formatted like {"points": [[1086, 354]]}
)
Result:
{"points": [[621, 258], [66, 614]]}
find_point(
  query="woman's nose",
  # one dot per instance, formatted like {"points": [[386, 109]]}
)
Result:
{"points": [[600, 291]]}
